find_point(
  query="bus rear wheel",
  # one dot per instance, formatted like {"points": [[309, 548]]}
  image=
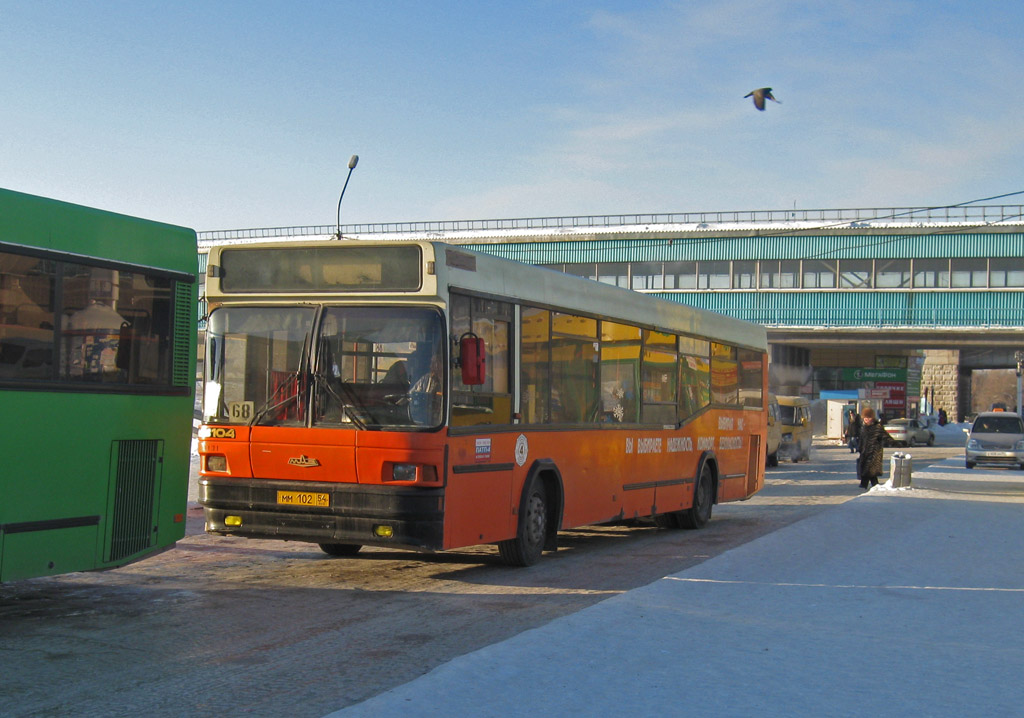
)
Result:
{"points": [[340, 549], [525, 549], [698, 515]]}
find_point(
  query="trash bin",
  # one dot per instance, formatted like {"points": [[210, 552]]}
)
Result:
{"points": [[901, 466]]}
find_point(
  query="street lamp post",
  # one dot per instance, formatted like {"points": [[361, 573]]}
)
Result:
{"points": [[353, 161]]}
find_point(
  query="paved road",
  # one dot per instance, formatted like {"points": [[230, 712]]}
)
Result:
{"points": [[222, 624]]}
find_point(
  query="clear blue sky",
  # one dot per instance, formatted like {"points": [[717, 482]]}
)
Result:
{"points": [[219, 115]]}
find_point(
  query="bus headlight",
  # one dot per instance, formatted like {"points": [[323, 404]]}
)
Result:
{"points": [[217, 463], [403, 472]]}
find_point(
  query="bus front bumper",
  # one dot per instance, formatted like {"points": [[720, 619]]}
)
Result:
{"points": [[347, 513]]}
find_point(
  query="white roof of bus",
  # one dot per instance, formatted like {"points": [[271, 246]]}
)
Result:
{"points": [[539, 286]]}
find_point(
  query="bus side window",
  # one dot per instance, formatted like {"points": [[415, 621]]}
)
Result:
{"points": [[488, 402]]}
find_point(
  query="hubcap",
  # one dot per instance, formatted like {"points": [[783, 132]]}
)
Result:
{"points": [[536, 521]]}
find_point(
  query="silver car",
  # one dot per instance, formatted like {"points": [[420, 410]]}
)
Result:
{"points": [[997, 437], [910, 432]]}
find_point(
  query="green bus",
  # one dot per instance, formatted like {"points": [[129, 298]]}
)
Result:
{"points": [[97, 385]]}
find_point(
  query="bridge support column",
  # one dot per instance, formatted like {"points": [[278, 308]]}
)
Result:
{"points": [[941, 374]]}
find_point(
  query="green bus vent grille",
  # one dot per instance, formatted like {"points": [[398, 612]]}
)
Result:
{"points": [[184, 332], [135, 490]]}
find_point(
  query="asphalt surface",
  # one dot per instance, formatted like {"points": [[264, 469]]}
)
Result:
{"points": [[899, 602]]}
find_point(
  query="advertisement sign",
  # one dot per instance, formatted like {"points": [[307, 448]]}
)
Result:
{"points": [[896, 403], [866, 374]]}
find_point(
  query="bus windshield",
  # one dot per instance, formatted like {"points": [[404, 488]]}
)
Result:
{"points": [[788, 415], [370, 368]]}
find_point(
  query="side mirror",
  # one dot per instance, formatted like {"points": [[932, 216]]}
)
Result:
{"points": [[472, 359]]}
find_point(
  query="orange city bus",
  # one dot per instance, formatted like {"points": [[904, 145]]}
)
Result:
{"points": [[420, 395]]}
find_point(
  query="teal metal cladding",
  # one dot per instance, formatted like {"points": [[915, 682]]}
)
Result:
{"points": [[767, 246], [879, 309]]}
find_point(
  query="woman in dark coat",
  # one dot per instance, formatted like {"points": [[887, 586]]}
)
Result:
{"points": [[873, 437]]}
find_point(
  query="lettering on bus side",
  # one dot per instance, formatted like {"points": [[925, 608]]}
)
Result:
{"points": [[680, 443], [651, 445], [220, 432], [672, 445], [727, 443], [705, 443]]}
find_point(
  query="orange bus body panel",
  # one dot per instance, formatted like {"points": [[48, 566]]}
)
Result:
{"points": [[375, 450], [298, 454], [478, 498], [607, 474]]}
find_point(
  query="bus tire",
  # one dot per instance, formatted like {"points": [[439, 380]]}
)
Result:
{"points": [[525, 549], [698, 515], [340, 549]]}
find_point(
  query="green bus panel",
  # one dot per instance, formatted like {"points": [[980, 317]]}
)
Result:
{"points": [[95, 473], [47, 552]]}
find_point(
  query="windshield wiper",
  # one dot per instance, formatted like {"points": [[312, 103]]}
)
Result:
{"points": [[269, 405], [352, 401]]}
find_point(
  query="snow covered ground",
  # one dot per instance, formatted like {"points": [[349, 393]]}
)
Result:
{"points": [[898, 602]]}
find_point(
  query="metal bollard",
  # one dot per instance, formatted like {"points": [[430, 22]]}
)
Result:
{"points": [[901, 468]]}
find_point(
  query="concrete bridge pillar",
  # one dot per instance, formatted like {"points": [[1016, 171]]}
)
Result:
{"points": [[941, 374]]}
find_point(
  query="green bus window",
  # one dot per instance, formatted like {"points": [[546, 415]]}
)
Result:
{"points": [[26, 317], [116, 326]]}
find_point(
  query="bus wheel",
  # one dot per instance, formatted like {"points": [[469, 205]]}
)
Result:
{"points": [[699, 514], [340, 549], [526, 547]]}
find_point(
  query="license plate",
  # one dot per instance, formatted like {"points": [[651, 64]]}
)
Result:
{"points": [[303, 498]]}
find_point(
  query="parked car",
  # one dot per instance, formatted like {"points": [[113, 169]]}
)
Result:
{"points": [[910, 432], [996, 437]]}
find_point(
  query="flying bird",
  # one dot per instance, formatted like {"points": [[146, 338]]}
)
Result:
{"points": [[760, 95]]}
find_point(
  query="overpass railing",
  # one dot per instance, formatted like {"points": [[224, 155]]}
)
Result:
{"points": [[977, 214]]}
